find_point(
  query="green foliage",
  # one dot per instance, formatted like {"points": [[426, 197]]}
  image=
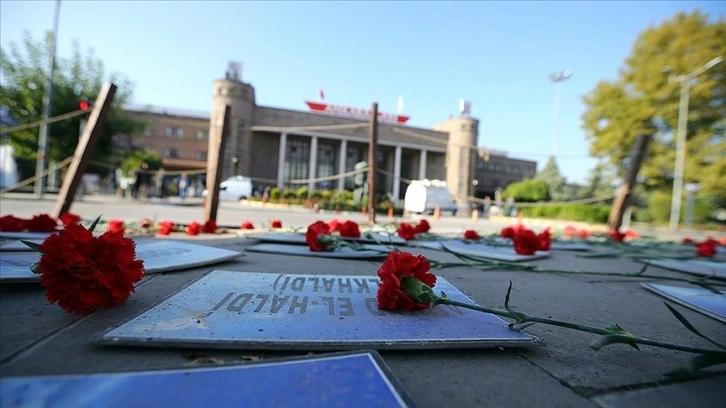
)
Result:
{"points": [[659, 207], [288, 193], [24, 76], [592, 213], [643, 100], [133, 162], [301, 193], [275, 194], [528, 191], [551, 175]]}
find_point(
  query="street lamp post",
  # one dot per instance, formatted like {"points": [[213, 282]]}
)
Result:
{"points": [[557, 78], [681, 140], [39, 186]]}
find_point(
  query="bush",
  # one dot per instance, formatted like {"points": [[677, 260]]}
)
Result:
{"points": [[593, 213], [275, 194], [287, 194], [659, 207], [528, 191], [301, 193]]}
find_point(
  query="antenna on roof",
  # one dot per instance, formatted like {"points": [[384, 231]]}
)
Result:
{"points": [[234, 71]]}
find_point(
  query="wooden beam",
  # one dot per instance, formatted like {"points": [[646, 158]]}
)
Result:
{"points": [[218, 135], [372, 150], [84, 149], [620, 204]]}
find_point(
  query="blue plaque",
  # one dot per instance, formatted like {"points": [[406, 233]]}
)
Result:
{"points": [[569, 246], [19, 245], [158, 256], [226, 309], [374, 251], [701, 267], [702, 300], [499, 253], [25, 235], [351, 380]]}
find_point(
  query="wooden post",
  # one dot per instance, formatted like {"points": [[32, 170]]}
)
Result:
{"points": [[372, 149], [218, 136], [615, 220], [84, 150]]}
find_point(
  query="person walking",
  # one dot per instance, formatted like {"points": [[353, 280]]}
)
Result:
{"points": [[183, 184]]}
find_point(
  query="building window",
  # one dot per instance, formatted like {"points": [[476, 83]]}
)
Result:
{"points": [[326, 165], [201, 134], [297, 160], [171, 153], [172, 131], [200, 155], [169, 131]]}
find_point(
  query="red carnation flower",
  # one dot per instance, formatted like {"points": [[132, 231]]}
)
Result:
{"points": [[406, 231], [617, 236], [472, 235], [69, 218], [422, 226], [11, 223], [276, 224], [570, 231], [247, 225], [209, 227], [707, 247], [544, 240], [146, 223], [349, 229], [509, 232], [193, 228], [397, 266], [83, 273], [584, 234], [166, 228], [41, 223], [722, 241], [334, 225], [116, 226], [526, 242], [313, 237], [631, 234]]}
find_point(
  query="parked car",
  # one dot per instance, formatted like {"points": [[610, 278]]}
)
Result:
{"points": [[424, 196], [234, 188]]}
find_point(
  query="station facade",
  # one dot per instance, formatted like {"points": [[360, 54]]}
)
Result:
{"points": [[292, 149]]}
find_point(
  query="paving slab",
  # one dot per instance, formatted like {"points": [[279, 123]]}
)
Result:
{"points": [[708, 392]]}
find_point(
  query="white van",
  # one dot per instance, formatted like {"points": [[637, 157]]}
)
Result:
{"points": [[424, 196], [234, 188]]}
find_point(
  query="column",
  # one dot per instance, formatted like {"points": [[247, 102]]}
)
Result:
{"points": [[342, 155], [281, 161], [422, 165], [313, 163], [397, 174]]}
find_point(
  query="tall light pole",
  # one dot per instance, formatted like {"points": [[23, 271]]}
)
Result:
{"points": [[557, 78], [39, 186], [681, 139]]}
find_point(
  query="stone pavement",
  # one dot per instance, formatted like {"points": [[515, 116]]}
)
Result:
{"points": [[38, 339]]}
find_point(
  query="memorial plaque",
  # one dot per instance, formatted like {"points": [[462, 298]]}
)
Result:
{"points": [[375, 251], [351, 380], [250, 310], [499, 253], [694, 266], [25, 235], [15, 246], [158, 256], [299, 239], [699, 299]]}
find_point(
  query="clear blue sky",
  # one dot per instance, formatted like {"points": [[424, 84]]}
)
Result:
{"points": [[495, 54]]}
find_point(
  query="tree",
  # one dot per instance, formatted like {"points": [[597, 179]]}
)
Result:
{"points": [[23, 79], [551, 175], [643, 100], [528, 191]]}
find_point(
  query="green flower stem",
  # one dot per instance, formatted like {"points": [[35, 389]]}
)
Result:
{"points": [[523, 318], [468, 260]]}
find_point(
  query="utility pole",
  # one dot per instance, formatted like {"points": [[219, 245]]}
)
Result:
{"points": [[557, 79], [372, 150], [39, 186]]}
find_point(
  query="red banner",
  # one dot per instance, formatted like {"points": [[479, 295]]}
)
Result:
{"points": [[354, 112]]}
